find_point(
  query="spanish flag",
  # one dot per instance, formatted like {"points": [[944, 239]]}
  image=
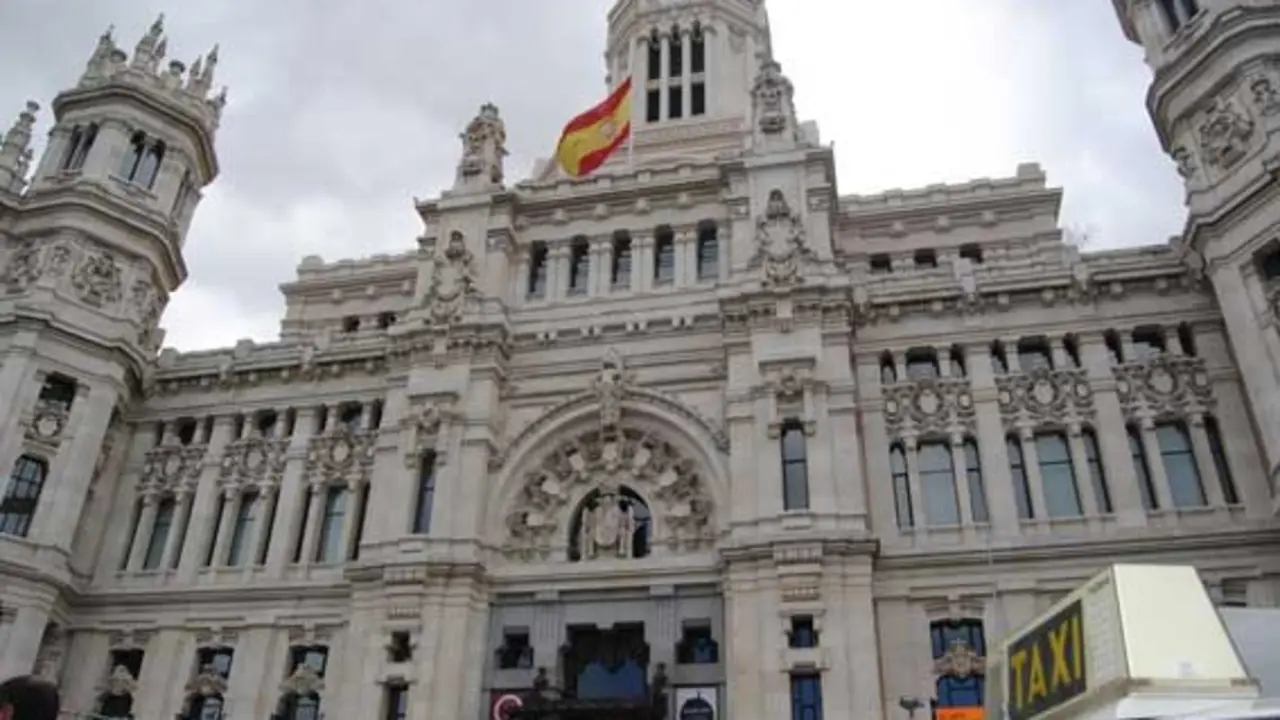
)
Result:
{"points": [[589, 139]]}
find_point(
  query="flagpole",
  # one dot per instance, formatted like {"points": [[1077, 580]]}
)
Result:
{"points": [[631, 130]]}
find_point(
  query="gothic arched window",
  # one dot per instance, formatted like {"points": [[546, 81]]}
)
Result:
{"points": [[133, 157], [610, 524], [150, 166]]}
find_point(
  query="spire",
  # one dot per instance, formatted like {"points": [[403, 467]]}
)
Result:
{"points": [[149, 50], [15, 151], [96, 68], [202, 74]]}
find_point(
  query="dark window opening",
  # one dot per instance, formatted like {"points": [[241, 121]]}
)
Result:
{"points": [[664, 256], [350, 324], [926, 259], [698, 54], [795, 467], [1061, 493], [697, 99], [655, 56], [802, 633], [1034, 354], [538, 270], [953, 643], [1115, 349], [1018, 472], [58, 389], [806, 696], [215, 660], [653, 105], [265, 423], [516, 653], [579, 266], [1071, 345], [708, 251], [397, 702], [922, 364], [426, 493], [888, 369], [1269, 265], [400, 649], [620, 273], [133, 157], [697, 646], [675, 102], [675, 54], [386, 320], [971, 252], [901, 487], [1148, 343], [350, 415], [1146, 489], [881, 264], [78, 147], [1187, 340], [1178, 455], [999, 359], [958, 367], [1219, 453], [1097, 471]]}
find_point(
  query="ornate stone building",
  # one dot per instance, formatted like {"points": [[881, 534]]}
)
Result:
{"points": [[696, 430]]}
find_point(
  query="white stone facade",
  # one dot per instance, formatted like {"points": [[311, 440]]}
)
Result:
{"points": [[698, 393]]}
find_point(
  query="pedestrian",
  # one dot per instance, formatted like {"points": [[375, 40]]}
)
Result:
{"points": [[27, 697]]}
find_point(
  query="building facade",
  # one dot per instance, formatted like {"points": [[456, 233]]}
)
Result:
{"points": [[694, 430]]}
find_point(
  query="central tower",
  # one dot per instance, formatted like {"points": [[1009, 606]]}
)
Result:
{"points": [[693, 64]]}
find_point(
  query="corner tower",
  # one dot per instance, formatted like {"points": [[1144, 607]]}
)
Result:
{"points": [[693, 64], [90, 250], [1215, 103]]}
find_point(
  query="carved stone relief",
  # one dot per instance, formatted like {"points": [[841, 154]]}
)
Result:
{"points": [[341, 456], [1045, 396], [1186, 162], [1225, 133], [1266, 97], [120, 682], [607, 461], [781, 247], [171, 466], [207, 683], [1164, 386], [611, 385], [960, 661], [773, 100], [98, 279], [22, 266], [254, 460], [453, 281], [429, 425], [48, 421], [929, 406], [304, 681]]}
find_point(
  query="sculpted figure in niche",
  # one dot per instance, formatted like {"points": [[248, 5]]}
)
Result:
{"points": [[484, 146], [611, 524], [780, 243], [453, 279]]}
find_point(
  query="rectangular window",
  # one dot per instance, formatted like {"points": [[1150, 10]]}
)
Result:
{"points": [[58, 389], [22, 495], [697, 646], [516, 653], [242, 530], [215, 660], [957, 689], [653, 106], [708, 252], [1034, 354], [329, 549], [922, 364], [697, 100], [316, 657], [675, 102], [802, 634], [938, 484], [620, 273], [881, 264], [159, 535], [664, 257], [579, 266], [795, 470], [1148, 344], [1060, 492], [806, 697], [397, 702], [426, 493], [698, 54], [675, 57], [655, 58], [538, 270], [1179, 459]]}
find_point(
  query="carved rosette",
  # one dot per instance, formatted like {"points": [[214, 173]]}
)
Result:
{"points": [[1164, 386], [342, 456], [48, 422], [934, 405], [609, 460], [172, 466], [1225, 133], [781, 247], [1045, 396], [254, 460], [453, 281]]}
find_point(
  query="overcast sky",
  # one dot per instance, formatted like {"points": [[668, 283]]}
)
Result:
{"points": [[341, 112]]}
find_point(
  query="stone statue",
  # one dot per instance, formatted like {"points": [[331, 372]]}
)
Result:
{"points": [[608, 528], [484, 145], [610, 387], [773, 100]]}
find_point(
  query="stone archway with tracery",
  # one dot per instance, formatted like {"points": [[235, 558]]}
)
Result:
{"points": [[617, 489]]}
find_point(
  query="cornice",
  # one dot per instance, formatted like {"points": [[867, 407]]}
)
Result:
{"points": [[228, 595]]}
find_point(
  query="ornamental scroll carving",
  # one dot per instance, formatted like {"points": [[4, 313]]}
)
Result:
{"points": [[453, 281], [780, 243], [171, 466], [929, 406], [1165, 385], [606, 463], [342, 456], [1045, 396], [1225, 133], [254, 460]]}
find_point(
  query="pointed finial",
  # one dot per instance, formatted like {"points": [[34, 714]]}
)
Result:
{"points": [[162, 48], [213, 54], [157, 27], [105, 38]]}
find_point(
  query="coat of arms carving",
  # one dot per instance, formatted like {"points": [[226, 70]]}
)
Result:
{"points": [[780, 243], [453, 280]]}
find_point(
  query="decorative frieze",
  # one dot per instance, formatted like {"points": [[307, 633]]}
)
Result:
{"points": [[341, 456], [1044, 396], [1164, 386], [172, 466], [929, 406], [1225, 133], [255, 460]]}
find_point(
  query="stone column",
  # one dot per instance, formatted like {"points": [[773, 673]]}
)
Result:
{"points": [[18, 654], [642, 262], [960, 469], [594, 268], [557, 272], [173, 543], [604, 283], [920, 514], [1089, 505], [992, 453], [315, 517], [205, 504], [142, 531], [665, 76], [686, 64], [231, 499], [1112, 432], [292, 500], [1155, 464], [520, 283], [1210, 483], [1031, 468], [351, 519]]}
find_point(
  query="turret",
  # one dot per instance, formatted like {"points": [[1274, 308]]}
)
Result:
{"points": [[1215, 103], [15, 151]]}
